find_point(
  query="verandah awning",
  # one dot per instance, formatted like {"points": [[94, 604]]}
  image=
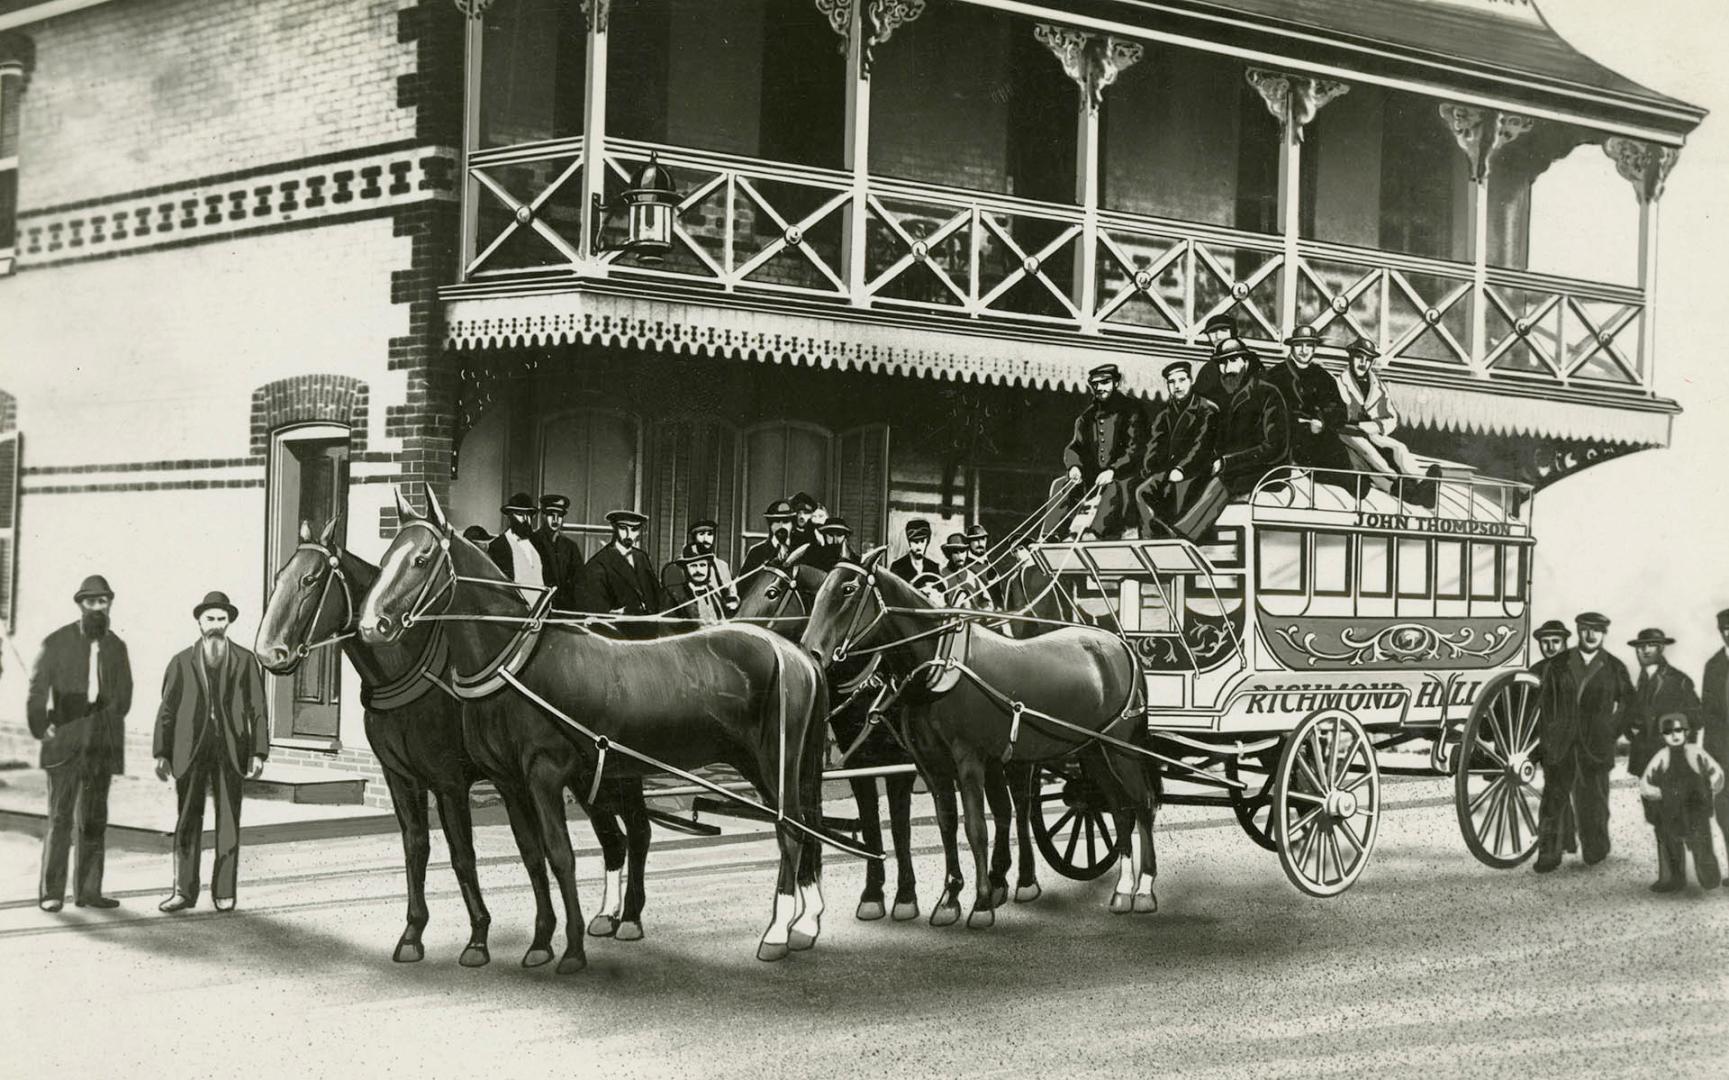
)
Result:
{"points": [[937, 347]]}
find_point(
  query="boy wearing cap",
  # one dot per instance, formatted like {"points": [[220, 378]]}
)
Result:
{"points": [[1659, 691], [909, 566], [1179, 452], [80, 692], [563, 566], [1586, 699], [1317, 411], [211, 732], [1678, 787], [1109, 441], [619, 579], [1367, 433], [1712, 732]]}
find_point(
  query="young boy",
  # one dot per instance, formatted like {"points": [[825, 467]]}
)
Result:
{"points": [[1678, 787]]}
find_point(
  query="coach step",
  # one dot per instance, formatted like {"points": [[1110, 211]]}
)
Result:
{"points": [[309, 787]]}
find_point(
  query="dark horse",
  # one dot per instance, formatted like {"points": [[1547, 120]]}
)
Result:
{"points": [[778, 597], [426, 741], [1077, 674], [729, 694]]}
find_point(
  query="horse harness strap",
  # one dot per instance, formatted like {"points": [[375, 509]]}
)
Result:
{"points": [[412, 684]]}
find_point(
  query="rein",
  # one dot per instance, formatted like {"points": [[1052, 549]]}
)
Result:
{"points": [[333, 573]]}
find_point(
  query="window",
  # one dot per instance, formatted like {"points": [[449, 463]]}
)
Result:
{"points": [[1515, 563], [1485, 571], [1414, 577], [533, 78], [11, 88], [1143, 608], [1332, 564], [1375, 572], [1279, 554], [1450, 569]]}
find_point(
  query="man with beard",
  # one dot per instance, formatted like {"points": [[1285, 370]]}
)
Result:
{"points": [[80, 692], [1254, 436], [779, 518], [517, 551], [1659, 691], [698, 595], [1367, 433], [211, 731], [619, 579], [563, 558], [804, 509], [1712, 731], [1585, 700], [1210, 382], [1110, 438], [699, 540], [1317, 410], [909, 566], [1179, 451]]}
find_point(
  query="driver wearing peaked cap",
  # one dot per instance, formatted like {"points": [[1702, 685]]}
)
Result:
{"points": [[619, 579], [563, 558], [915, 562], [1104, 453]]}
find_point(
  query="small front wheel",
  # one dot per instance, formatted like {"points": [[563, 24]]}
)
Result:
{"points": [[1326, 803]]}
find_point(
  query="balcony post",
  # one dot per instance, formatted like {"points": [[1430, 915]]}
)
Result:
{"points": [[468, 226], [594, 15], [847, 17], [1480, 133], [1646, 167], [1294, 101]]}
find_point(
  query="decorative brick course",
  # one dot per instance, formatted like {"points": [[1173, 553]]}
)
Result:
{"points": [[303, 399]]}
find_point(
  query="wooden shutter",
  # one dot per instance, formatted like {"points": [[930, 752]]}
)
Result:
{"points": [[11, 468], [861, 487], [695, 477]]}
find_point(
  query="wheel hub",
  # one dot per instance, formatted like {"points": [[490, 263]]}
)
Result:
{"points": [[1522, 767], [1341, 804]]}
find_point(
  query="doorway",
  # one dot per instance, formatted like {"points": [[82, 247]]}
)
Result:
{"points": [[308, 482]]}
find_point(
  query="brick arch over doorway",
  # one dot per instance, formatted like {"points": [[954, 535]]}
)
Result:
{"points": [[309, 399]]}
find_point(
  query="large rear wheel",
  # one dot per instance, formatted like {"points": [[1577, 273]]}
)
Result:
{"points": [[1326, 803], [1497, 782], [1074, 831]]}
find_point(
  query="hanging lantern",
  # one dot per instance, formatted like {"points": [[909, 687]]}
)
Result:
{"points": [[649, 204]]}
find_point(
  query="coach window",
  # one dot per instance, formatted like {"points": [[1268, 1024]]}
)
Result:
{"points": [[1485, 574], [1415, 580], [1515, 567], [1375, 569], [1332, 564], [1279, 559], [1450, 569]]}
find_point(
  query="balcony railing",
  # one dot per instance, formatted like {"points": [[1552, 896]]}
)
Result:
{"points": [[747, 226]]}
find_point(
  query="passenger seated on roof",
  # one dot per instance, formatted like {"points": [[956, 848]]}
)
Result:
{"points": [[1254, 436], [1179, 453], [1317, 410], [1368, 430]]}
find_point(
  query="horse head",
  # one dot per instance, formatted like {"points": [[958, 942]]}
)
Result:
{"points": [[416, 574], [310, 601], [847, 608], [772, 594]]}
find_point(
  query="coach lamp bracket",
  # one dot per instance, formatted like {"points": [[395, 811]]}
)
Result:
{"points": [[650, 205]]}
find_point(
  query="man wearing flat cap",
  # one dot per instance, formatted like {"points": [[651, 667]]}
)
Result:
{"points": [[831, 545], [1659, 689], [517, 550], [778, 518], [563, 558], [211, 733], [1317, 411], [1586, 700], [1105, 451], [1254, 437], [697, 595], [1367, 433], [1179, 453], [80, 692], [909, 566], [1551, 640], [804, 511], [1712, 731], [618, 579]]}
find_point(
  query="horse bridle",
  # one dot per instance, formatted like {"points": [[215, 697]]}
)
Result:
{"points": [[333, 573], [853, 635], [792, 589]]}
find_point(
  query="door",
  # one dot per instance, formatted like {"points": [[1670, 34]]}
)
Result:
{"points": [[308, 482], [591, 456], [781, 460]]}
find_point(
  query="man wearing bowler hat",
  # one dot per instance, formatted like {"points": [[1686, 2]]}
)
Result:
{"points": [[518, 551], [697, 595], [80, 692], [211, 732], [1712, 730], [1586, 700], [778, 518], [909, 566], [1179, 453], [563, 558], [1659, 690], [804, 509], [619, 579], [1209, 381], [1105, 452], [1317, 411]]}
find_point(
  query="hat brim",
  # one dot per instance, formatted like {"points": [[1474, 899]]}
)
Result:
{"points": [[513, 508], [233, 612], [1652, 641], [81, 596]]}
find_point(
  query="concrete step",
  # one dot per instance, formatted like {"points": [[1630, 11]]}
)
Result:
{"points": [[310, 787]]}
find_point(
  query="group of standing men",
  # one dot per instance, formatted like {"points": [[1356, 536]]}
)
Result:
{"points": [[1222, 430]]}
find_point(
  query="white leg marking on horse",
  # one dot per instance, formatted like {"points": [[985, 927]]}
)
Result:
{"points": [[613, 900], [1126, 867], [785, 908], [1146, 886], [809, 920]]}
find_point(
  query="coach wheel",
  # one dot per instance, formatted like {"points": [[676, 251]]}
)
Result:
{"points": [[1498, 781], [1253, 804], [1079, 841], [1326, 803]]}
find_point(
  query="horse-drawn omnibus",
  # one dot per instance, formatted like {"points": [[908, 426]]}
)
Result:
{"points": [[1323, 622]]}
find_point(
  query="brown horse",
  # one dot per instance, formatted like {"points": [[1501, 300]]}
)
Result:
{"points": [[425, 741], [729, 694], [972, 703]]}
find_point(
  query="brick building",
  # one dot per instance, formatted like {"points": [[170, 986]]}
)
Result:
{"points": [[265, 260]]}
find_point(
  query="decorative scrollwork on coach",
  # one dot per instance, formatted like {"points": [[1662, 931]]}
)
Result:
{"points": [[1461, 644]]}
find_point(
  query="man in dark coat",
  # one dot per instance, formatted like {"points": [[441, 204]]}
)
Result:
{"points": [[1179, 453], [697, 594], [211, 732], [1585, 699], [804, 508], [1659, 690], [1317, 410], [909, 566], [618, 579], [1109, 441], [1210, 381], [562, 569], [518, 551], [1712, 731], [1254, 437], [1551, 640], [80, 692], [831, 547], [779, 518]]}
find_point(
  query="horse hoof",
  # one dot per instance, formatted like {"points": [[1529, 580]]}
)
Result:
{"points": [[409, 952], [999, 895], [629, 930], [870, 910], [602, 926], [1026, 894], [572, 963], [536, 956], [799, 941], [981, 919], [946, 915], [1146, 903], [771, 953], [906, 910], [476, 955], [1122, 903]]}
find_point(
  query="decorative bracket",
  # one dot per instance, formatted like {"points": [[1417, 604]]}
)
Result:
{"points": [[839, 15], [1092, 61], [1644, 165], [594, 13], [1294, 100], [473, 9], [1471, 130]]}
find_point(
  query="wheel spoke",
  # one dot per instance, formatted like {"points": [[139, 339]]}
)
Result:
{"points": [[1493, 752], [1306, 797], [1058, 827], [1314, 781], [1309, 838], [1333, 754], [1513, 821], [1351, 835], [1074, 842], [1357, 783], [1092, 851], [1105, 835], [1525, 808], [1500, 820], [1302, 822], [1477, 800], [1333, 846]]}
